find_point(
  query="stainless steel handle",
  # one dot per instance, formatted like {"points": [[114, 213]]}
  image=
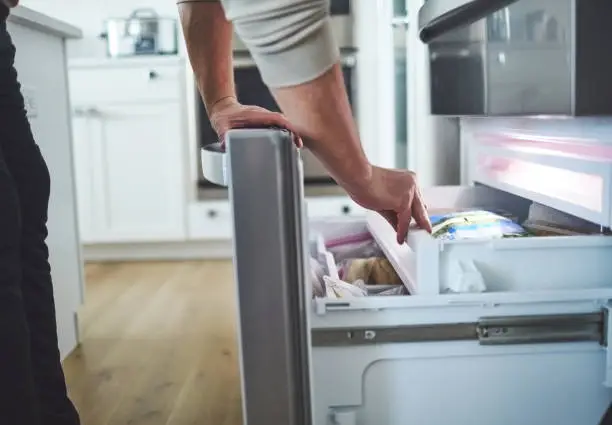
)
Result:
{"points": [[438, 17]]}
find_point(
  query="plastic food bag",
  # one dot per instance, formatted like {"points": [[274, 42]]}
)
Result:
{"points": [[378, 290], [336, 288], [317, 272], [357, 245], [373, 271], [476, 224]]}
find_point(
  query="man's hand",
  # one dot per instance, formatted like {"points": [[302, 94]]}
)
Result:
{"points": [[395, 195], [228, 114]]}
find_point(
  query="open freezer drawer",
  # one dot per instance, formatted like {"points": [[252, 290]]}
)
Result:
{"points": [[496, 358], [502, 357]]}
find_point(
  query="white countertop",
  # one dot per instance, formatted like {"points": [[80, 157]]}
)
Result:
{"points": [[22, 15]]}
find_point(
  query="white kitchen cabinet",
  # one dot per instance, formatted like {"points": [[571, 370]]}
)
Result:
{"points": [[129, 149], [129, 179]]}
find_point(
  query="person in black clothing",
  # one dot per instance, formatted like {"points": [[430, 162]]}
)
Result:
{"points": [[32, 384]]}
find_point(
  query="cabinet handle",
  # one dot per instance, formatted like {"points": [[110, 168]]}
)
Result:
{"points": [[212, 213], [346, 209], [153, 75]]}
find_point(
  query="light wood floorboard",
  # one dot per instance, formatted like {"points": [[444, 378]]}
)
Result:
{"points": [[158, 345]]}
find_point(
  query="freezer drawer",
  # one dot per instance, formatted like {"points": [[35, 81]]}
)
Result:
{"points": [[501, 358], [431, 266]]}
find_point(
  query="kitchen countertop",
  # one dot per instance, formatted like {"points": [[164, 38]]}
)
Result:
{"points": [[27, 17], [144, 60]]}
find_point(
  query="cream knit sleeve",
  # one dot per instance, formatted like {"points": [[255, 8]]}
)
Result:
{"points": [[291, 41]]}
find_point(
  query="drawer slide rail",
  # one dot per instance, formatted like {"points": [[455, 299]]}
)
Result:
{"points": [[503, 330]]}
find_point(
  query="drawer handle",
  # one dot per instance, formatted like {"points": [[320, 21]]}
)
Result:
{"points": [[212, 213], [153, 75], [346, 209]]}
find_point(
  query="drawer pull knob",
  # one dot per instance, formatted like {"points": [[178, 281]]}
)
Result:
{"points": [[212, 213], [346, 209], [153, 75]]}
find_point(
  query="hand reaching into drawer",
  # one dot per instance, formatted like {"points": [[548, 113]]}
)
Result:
{"points": [[395, 195]]}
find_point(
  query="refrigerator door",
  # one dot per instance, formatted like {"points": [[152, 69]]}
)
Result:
{"points": [[437, 17], [263, 171]]}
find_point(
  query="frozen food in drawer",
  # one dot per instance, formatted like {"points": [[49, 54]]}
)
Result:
{"points": [[570, 170], [431, 266], [346, 261]]}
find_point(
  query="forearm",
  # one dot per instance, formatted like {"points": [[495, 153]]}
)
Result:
{"points": [[292, 43], [321, 111], [208, 36]]}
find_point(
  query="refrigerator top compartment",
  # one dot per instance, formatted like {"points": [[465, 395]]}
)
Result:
{"points": [[518, 58]]}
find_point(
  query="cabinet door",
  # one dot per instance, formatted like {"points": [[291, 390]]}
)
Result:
{"points": [[89, 188], [141, 163]]}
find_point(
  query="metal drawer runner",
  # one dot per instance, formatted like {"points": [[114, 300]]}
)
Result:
{"points": [[503, 330]]}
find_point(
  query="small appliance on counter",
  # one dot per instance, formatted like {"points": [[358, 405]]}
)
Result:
{"points": [[144, 32]]}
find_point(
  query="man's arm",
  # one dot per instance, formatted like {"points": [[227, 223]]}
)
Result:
{"points": [[209, 45], [293, 46]]}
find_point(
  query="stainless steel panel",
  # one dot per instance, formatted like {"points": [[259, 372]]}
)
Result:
{"points": [[265, 186], [537, 57], [437, 17]]}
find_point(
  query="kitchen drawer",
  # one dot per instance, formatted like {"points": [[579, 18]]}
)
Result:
{"points": [[131, 84], [328, 206], [210, 220]]}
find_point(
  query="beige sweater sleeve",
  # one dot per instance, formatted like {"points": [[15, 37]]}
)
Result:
{"points": [[291, 41]]}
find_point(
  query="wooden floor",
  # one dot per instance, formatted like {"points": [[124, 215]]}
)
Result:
{"points": [[158, 346]]}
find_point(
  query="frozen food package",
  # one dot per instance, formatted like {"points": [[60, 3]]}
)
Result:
{"points": [[356, 245], [474, 224], [375, 290], [547, 221], [373, 271], [316, 278], [336, 288]]}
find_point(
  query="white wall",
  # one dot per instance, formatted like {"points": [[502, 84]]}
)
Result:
{"points": [[89, 16]]}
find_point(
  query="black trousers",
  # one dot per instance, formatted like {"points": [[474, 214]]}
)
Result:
{"points": [[32, 384]]}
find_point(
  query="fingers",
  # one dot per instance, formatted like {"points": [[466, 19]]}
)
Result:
{"points": [[391, 218], [262, 119], [404, 218], [419, 212]]}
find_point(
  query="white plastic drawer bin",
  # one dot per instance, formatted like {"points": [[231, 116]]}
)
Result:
{"points": [[428, 265]]}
